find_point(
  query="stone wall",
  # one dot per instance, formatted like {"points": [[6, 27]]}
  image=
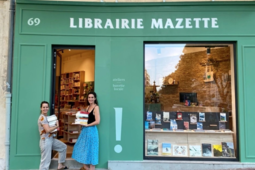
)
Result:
{"points": [[4, 27], [190, 74]]}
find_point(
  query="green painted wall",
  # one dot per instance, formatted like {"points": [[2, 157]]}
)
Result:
{"points": [[119, 54]]}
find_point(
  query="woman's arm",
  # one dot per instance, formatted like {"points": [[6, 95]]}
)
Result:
{"points": [[97, 117]]}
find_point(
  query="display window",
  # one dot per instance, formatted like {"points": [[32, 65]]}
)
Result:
{"points": [[189, 101], [73, 79]]}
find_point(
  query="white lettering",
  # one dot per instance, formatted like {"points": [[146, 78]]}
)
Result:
{"points": [[156, 24], [80, 22], [205, 22], [133, 23], [140, 23], [179, 22], [214, 23], [72, 23], [117, 23], [88, 23], [108, 24], [124, 23], [169, 23], [98, 23], [188, 23], [197, 20]]}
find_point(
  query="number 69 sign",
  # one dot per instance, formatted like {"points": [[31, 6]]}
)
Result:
{"points": [[33, 21]]}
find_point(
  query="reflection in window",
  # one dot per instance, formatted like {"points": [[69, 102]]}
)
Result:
{"points": [[190, 96]]}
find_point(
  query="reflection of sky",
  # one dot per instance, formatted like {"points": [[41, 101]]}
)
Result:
{"points": [[161, 60]]}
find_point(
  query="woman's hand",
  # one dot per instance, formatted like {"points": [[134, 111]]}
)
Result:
{"points": [[57, 124], [84, 125]]}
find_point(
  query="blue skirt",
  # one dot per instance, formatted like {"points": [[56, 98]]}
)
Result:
{"points": [[86, 148]]}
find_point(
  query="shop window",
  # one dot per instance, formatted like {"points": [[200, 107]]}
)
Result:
{"points": [[75, 72], [190, 109]]}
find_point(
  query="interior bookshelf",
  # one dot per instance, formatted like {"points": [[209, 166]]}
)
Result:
{"points": [[71, 131], [72, 87]]}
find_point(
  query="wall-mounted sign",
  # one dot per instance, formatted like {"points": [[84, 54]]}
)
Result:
{"points": [[169, 23]]}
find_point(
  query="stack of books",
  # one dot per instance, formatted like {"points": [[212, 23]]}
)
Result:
{"points": [[81, 118], [52, 121]]}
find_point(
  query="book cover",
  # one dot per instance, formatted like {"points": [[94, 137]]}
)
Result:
{"points": [[166, 149], [158, 119], [152, 147], [149, 115], [195, 150], [151, 124], [52, 118], [217, 150], [166, 116], [206, 149], [193, 119], [82, 114], [81, 121], [199, 126], [223, 117], [146, 124], [228, 149], [52, 123], [222, 125], [186, 125], [180, 150], [201, 117], [179, 116], [173, 124]]}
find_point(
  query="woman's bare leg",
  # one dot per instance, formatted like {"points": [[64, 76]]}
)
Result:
{"points": [[86, 167], [92, 167]]}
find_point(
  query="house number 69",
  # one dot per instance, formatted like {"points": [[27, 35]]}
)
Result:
{"points": [[33, 21]]}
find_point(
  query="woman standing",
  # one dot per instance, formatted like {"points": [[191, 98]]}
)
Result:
{"points": [[47, 142], [86, 148]]}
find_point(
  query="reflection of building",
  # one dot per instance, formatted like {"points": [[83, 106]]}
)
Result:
{"points": [[147, 78]]}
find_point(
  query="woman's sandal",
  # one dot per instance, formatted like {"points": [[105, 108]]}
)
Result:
{"points": [[65, 167]]}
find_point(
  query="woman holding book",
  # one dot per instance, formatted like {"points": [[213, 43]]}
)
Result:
{"points": [[86, 148], [47, 142]]}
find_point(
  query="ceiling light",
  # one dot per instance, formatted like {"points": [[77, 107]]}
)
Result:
{"points": [[69, 49]]}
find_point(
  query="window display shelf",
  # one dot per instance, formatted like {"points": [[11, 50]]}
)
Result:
{"points": [[189, 131]]}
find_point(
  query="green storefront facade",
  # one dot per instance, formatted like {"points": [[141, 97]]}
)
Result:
{"points": [[118, 33]]}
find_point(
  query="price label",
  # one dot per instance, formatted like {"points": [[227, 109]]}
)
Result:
{"points": [[33, 21]]}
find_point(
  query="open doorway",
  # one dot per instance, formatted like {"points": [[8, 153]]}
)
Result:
{"points": [[73, 79]]}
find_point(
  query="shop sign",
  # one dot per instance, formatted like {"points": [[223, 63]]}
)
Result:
{"points": [[169, 23]]}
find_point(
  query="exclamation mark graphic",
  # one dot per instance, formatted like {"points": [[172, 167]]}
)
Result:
{"points": [[118, 123]]}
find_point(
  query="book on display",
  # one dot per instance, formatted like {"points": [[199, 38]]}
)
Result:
{"points": [[158, 119], [206, 149], [152, 147], [149, 115], [166, 149], [166, 116], [217, 150], [228, 149], [195, 150]]}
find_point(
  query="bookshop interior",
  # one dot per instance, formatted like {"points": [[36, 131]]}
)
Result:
{"points": [[189, 99], [75, 72]]}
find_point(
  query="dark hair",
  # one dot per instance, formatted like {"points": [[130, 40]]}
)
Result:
{"points": [[44, 102], [95, 95]]}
